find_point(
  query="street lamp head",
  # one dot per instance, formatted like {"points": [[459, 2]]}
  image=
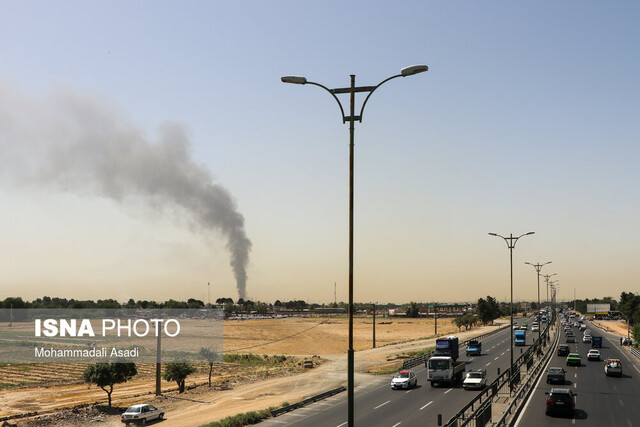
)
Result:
{"points": [[530, 233], [414, 69], [493, 234], [298, 80]]}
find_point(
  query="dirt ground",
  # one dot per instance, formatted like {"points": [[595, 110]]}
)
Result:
{"points": [[303, 337], [615, 326]]}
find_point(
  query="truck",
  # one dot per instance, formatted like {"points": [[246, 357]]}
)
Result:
{"points": [[596, 342], [444, 370], [474, 348], [520, 337], [447, 346], [612, 367]]}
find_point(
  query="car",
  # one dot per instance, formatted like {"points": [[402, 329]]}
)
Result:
{"points": [[141, 414], [404, 379], [570, 338], [613, 367], [573, 359], [515, 326], [593, 355], [587, 331], [555, 375], [583, 326], [561, 400], [475, 380], [535, 328], [586, 339], [563, 350], [523, 327]]}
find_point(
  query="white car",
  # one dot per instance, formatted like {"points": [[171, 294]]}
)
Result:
{"points": [[593, 355], [141, 414], [586, 339], [475, 380], [535, 328], [404, 379]]}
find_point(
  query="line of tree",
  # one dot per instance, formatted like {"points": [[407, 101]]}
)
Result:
{"points": [[629, 306]]}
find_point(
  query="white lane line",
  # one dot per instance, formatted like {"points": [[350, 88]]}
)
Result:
{"points": [[448, 391], [621, 402], [422, 407], [488, 364], [497, 358], [396, 425], [382, 404], [409, 391], [575, 385], [340, 425]]}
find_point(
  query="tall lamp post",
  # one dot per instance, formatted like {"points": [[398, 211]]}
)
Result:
{"points": [[546, 279], [538, 267], [511, 244], [352, 118]]}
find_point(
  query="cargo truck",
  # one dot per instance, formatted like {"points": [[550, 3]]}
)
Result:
{"points": [[520, 337], [474, 348], [596, 342], [444, 370], [447, 346]]}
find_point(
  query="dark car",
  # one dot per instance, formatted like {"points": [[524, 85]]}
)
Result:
{"points": [[555, 375], [563, 350], [561, 400]]}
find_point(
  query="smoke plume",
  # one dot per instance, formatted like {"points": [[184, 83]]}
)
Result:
{"points": [[81, 144]]}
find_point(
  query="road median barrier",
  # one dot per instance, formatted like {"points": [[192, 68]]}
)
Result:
{"points": [[317, 397]]}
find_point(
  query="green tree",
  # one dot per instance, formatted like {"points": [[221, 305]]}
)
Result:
{"points": [[106, 375], [178, 372], [636, 334], [211, 357], [412, 310]]}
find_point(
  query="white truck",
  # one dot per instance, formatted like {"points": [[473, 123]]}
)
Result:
{"points": [[443, 370]]}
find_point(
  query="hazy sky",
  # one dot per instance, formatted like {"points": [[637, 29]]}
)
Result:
{"points": [[124, 124]]}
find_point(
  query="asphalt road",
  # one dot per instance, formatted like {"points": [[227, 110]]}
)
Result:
{"points": [[601, 400], [376, 404]]}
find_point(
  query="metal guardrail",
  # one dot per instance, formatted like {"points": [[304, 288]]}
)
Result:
{"points": [[525, 390], [635, 352], [305, 402]]}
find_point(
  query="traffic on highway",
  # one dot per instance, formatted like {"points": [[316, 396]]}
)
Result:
{"points": [[589, 380], [379, 404]]}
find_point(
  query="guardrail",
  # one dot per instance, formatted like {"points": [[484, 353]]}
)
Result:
{"points": [[481, 404], [306, 401], [418, 360], [635, 352]]}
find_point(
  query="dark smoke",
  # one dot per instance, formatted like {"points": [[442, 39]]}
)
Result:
{"points": [[79, 144]]}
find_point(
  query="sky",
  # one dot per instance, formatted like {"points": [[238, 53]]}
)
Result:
{"points": [[150, 151]]}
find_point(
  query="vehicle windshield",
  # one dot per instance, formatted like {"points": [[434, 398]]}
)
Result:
{"points": [[556, 371], [474, 375], [135, 409], [438, 364], [402, 375]]}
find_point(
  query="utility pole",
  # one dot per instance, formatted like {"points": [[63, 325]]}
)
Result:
{"points": [[374, 325], [335, 300], [159, 363], [209, 291], [435, 318]]}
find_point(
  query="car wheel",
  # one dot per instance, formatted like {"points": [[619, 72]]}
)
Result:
{"points": [[161, 416]]}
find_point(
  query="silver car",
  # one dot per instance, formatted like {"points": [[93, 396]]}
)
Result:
{"points": [[141, 414]]}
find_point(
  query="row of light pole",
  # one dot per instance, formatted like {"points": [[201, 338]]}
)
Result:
{"points": [[352, 118]]}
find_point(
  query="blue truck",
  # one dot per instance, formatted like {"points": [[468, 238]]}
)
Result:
{"points": [[474, 348], [447, 346], [520, 337], [596, 342]]}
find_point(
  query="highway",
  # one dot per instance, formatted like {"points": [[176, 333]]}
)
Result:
{"points": [[601, 400], [376, 404]]}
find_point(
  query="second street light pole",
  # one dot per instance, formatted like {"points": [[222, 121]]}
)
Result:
{"points": [[511, 244], [538, 267], [352, 118]]}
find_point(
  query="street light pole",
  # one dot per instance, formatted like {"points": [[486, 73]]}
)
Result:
{"points": [[538, 267], [546, 278], [352, 118], [511, 244]]}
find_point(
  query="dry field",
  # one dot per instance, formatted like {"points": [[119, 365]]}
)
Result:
{"points": [[46, 387]]}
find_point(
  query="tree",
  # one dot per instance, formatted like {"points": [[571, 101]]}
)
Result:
{"points": [[178, 372], [636, 334], [105, 375], [211, 357], [412, 310]]}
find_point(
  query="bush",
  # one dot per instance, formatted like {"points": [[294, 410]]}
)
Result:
{"points": [[239, 420]]}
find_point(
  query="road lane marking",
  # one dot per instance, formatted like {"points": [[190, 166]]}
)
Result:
{"points": [[488, 364], [396, 425], [497, 358], [448, 391], [340, 425], [422, 407], [382, 404]]}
